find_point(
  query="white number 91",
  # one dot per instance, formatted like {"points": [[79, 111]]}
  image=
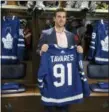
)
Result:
{"points": [[61, 75]]}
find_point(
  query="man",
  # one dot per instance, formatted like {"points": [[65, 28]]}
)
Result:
{"points": [[57, 35]]}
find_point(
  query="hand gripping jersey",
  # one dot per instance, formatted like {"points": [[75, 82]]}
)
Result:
{"points": [[61, 77], [99, 47], [12, 41]]}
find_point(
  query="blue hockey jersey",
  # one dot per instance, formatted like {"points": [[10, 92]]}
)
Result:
{"points": [[12, 41], [99, 47], [61, 77]]}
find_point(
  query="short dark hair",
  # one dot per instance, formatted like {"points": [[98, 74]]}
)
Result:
{"points": [[60, 10]]}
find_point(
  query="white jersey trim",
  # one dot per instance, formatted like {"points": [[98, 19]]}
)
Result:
{"points": [[93, 42], [53, 100], [84, 79], [92, 47], [8, 57], [41, 86], [22, 40], [40, 80], [101, 59], [82, 73], [20, 45], [57, 46]]}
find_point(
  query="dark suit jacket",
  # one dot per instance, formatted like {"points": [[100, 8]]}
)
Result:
{"points": [[49, 37]]}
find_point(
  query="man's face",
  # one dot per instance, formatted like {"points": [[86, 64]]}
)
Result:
{"points": [[60, 19]]}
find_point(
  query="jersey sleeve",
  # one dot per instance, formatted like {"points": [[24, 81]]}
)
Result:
{"points": [[85, 85], [43, 71], [92, 46], [21, 43]]}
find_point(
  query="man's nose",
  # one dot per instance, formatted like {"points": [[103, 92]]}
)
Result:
{"points": [[62, 18]]}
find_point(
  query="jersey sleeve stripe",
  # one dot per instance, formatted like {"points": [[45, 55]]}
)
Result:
{"points": [[92, 42], [92, 47], [8, 57], [101, 59], [21, 40], [21, 45]]}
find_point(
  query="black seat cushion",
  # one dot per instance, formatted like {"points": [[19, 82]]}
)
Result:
{"points": [[13, 71], [98, 71]]}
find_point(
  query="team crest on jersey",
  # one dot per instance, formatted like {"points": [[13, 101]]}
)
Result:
{"points": [[8, 41], [105, 44]]}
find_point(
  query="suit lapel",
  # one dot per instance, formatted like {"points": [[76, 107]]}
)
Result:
{"points": [[68, 39], [53, 36]]}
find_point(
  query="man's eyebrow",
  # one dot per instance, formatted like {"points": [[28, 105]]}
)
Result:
{"points": [[60, 15]]}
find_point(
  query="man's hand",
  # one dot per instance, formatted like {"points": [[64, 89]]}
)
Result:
{"points": [[79, 49], [44, 48]]}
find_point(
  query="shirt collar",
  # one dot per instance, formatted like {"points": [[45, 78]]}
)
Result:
{"points": [[60, 32]]}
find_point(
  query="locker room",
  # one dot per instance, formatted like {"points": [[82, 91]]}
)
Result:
{"points": [[54, 56]]}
